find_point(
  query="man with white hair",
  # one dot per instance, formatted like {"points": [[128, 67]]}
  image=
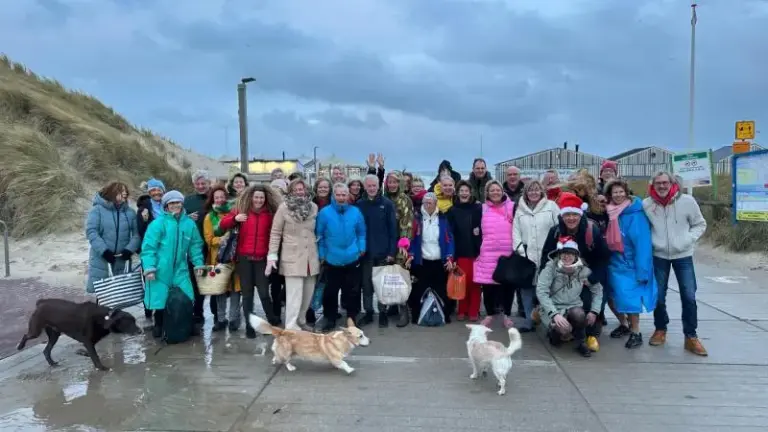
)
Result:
{"points": [[194, 205], [340, 232], [380, 218], [676, 226]]}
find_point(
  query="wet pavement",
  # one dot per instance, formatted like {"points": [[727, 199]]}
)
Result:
{"points": [[413, 379]]}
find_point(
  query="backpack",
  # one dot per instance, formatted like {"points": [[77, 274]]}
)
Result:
{"points": [[177, 318], [431, 313]]}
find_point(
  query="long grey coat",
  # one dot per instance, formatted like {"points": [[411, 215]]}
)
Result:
{"points": [[110, 228]]}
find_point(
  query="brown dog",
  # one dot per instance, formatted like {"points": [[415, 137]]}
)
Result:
{"points": [[331, 348], [85, 322]]}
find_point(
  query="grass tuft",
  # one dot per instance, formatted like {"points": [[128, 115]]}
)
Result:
{"points": [[59, 146]]}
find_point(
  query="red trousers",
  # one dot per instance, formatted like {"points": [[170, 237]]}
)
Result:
{"points": [[470, 306]]}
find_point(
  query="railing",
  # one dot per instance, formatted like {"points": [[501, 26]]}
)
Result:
{"points": [[7, 249]]}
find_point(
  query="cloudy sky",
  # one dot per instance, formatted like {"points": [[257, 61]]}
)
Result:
{"points": [[420, 80]]}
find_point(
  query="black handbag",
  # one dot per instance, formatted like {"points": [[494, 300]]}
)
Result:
{"points": [[228, 250], [515, 270]]}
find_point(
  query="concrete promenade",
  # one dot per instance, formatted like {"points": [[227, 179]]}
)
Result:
{"points": [[413, 379]]}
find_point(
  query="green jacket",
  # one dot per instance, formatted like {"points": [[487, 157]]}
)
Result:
{"points": [[558, 291], [169, 245]]}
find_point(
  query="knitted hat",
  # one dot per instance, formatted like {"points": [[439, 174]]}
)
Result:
{"points": [[570, 203], [609, 164], [430, 196], [565, 244], [172, 197], [154, 183]]}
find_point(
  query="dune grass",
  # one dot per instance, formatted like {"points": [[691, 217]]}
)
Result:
{"points": [[60, 146]]}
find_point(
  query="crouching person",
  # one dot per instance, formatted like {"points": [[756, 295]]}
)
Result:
{"points": [[171, 241], [559, 291]]}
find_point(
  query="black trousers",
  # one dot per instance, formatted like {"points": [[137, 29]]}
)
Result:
{"points": [[347, 280], [277, 292], [498, 299], [430, 274], [197, 311], [252, 275], [597, 327]]}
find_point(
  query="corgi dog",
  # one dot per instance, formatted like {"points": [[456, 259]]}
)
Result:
{"points": [[330, 348]]}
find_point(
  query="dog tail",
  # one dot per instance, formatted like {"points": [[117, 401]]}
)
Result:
{"points": [[515, 341], [263, 327]]}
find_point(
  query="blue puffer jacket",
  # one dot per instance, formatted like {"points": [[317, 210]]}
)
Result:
{"points": [[340, 232], [630, 273], [109, 228]]}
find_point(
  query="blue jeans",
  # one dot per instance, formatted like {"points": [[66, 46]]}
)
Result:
{"points": [[686, 280]]}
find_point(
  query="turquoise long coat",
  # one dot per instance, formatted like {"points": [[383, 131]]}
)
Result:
{"points": [[170, 243]]}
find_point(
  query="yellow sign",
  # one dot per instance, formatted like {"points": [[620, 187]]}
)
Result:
{"points": [[745, 130], [741, 147], [752, 216]]}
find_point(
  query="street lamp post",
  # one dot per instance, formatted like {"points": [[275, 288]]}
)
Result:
{"points": [[242, 112], [692, 80], [314, 165]]}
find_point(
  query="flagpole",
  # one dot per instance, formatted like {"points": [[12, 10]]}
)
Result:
{"points": [[692, 79]]}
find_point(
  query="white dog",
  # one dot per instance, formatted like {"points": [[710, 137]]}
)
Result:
{"points": [[485, 354]]}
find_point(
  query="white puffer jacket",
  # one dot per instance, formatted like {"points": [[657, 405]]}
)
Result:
{"points": [[532, 226], [675, 228]]}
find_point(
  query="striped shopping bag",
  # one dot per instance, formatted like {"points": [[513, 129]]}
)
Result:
{"points": [[123, 290]]}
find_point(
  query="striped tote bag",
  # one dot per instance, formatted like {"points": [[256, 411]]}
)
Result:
{"points": [[123, 290]]}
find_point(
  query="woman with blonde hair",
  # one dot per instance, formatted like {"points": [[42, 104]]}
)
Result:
{"points": [[292, 241], [253, 214]]}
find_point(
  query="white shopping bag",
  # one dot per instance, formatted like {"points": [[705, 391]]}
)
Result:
{"points": [[392, 284]]}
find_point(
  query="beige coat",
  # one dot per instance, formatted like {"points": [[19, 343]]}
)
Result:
{"points": [[298, 257]]}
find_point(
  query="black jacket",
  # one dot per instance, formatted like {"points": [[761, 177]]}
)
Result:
{"points": [[143, 203], [464, 219], [595, 257], [444, 165], [514, 194], [381, 234]]}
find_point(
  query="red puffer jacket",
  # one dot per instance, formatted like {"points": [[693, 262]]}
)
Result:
{"points": [[253, 240]]}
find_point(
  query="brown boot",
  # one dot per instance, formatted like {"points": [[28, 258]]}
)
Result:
{"points": [[658, 338], [693, 345]]}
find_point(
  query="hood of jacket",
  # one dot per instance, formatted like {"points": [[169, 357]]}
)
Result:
{"points": [[635, 207], [522, 206]]}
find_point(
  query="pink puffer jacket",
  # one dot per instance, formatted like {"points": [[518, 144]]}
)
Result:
{"points": [[497, 239]]}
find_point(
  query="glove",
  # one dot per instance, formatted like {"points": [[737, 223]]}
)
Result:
{"points": [[126, 254], [271, 265], [109, 256]]}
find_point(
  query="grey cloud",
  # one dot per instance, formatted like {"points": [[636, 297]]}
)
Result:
{"points": [[292, 122], [286, 60]]}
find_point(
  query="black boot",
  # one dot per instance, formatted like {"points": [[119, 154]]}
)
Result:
{"points": [[250, 333], [365, 319], [403, 317], [157, 330], [384, 317], [147, 312], [310, 316]]}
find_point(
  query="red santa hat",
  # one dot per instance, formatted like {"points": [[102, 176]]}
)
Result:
{"points": [[570, 203], [567, 243], [609, 164]]}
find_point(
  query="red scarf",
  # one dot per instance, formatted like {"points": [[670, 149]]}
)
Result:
{"points": [[553, 193], [673, 191]]}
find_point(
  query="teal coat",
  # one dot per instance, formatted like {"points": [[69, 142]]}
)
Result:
{"points": [[109, 228], [169, 245]]}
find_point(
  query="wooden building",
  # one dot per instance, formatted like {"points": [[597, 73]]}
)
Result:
{"points": [[722, 157], [643, 162], [553, 158]]}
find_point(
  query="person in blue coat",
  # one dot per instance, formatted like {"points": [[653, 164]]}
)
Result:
{"points": [[340, 231], [111, 232], [431, 256], [630, 269]]}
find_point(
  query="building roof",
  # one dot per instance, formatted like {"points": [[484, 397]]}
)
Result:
{"points": [[622, 155], [722, 153], [549, 150]]}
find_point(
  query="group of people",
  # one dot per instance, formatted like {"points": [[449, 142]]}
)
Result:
{"points": [[592, 242]]}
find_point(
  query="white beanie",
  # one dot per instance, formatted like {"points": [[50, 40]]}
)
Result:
{"points": [[172, 197]]}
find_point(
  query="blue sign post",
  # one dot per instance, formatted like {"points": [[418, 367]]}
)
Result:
{"points": [[750, 186]]}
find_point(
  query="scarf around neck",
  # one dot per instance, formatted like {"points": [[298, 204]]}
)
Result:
{"points": [[299, 207], [673, 191], [157, 208], [569, 269], [613, 233]]}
